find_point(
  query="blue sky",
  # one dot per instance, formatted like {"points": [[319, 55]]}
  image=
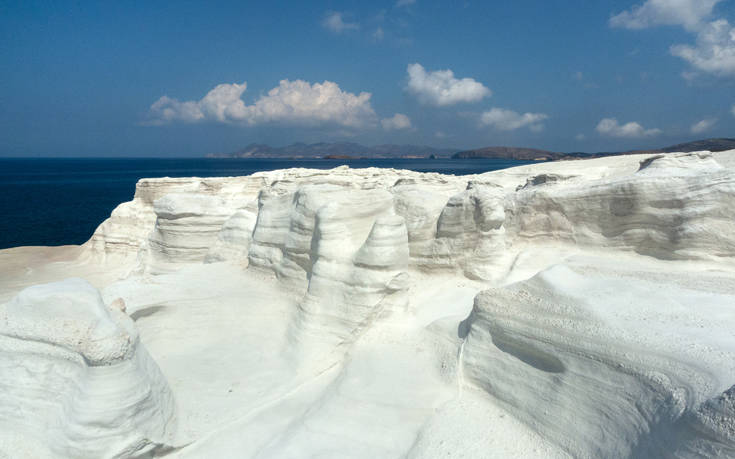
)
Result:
{"points": [[190, 78]]}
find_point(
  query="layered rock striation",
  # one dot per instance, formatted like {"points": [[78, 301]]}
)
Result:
{"points": [[602, 320], [606, 364], [75, 381], [669, 207]]}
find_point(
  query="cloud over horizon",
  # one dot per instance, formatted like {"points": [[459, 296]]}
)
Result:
{"points": [[291, 102], [440, 87], [703, 126], [397, 122], [508, 120], [611, 127]]}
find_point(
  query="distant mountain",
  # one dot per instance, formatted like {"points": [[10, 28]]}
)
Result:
{"points": [[336, 150], [533, 154], [527, 154], [347, 150], [699, 145]]}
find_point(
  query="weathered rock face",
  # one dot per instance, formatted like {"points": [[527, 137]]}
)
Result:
{"points": [[707, 432], [347, 293], [183, 226], [674, 207], [233, 239], [187, 226], [470, 231], [606, 346], [75, 380], [311, 228], [548, 342], [286, 240], [671, 207]]}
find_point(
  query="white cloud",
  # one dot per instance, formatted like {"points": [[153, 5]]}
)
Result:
{"points": [[222, 104], [580, 137], [703, 126], [611, 127], [378, 35], [335, 22], [508, 120], [292, 102], [689, 76], [441, 88], [166, 110], [401, 3], [396, 122], [687, 13], [733, 110], [714, 51]]}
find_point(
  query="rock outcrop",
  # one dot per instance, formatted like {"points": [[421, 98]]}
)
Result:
{"points": [[601, 326], [75, 381], [676, 206], [604, 364]]}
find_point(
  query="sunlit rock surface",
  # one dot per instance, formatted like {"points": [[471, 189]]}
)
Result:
{"points": [[566, 309], [75, 381]]}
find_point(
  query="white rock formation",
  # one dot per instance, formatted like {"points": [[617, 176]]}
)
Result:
{"points": [[547, 342], [673, 207], [602, 321], [75, 381], [172, 219]]}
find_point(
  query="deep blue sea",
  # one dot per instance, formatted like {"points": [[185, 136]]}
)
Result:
{"points": [[62, 201]]}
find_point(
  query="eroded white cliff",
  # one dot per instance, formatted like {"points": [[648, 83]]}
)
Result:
{"points": [[613, 359], [75, 381], [303, 312]]}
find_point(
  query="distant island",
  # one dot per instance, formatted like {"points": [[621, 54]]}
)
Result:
{"points": [[527, 154], [349, 150], [336, 150], [532, 154]]}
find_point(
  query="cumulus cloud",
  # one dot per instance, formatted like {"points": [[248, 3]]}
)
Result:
{"points": [[292, 102], [714, 51], [396, 122], [687, 13], [335, 22], [166, 110], [222, 104], [703, 126], [508, 120], [441, 88], [611, 127]]}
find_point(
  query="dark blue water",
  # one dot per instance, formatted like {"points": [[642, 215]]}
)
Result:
{"points": [[62, 201]]}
